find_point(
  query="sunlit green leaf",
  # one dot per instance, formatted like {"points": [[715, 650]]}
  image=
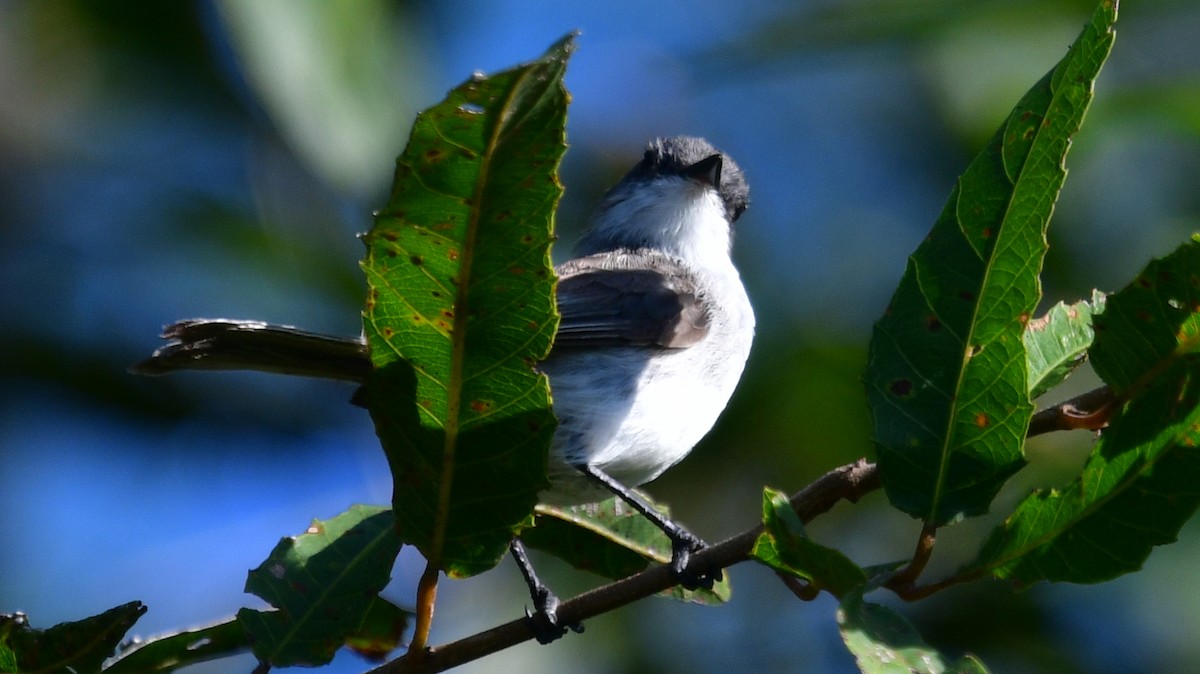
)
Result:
{"points": [[1142, 481], [459, 308], [1057, 343], [946, 377], [785, 546]]}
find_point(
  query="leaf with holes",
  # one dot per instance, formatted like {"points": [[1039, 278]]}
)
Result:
{"points": [[1058, 342], [80, 646], [946, 377], [177, 650], [612, 540], [460, 306], [323, 582], [1142, 481]]}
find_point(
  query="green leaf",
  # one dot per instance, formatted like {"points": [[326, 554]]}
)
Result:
{"points": [[460, 305], [883, 642], [377, 636], [1142, 481], [323, 582], [1057, 343], [381, 630], [785, 546], [612, 540], [1151, 325], [946, 376], [181, 649], [609, 538], [79, 647]]}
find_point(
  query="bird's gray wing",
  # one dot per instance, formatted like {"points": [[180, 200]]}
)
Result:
{"points": [[629, 298]]}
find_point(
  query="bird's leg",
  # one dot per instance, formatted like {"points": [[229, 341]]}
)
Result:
{"points": [[683, 542], [544, 621]]}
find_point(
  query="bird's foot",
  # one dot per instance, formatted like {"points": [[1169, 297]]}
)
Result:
{"points": [[543, 621], [683, 545]]}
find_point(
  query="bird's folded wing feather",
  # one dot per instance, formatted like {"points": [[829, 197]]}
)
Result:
{"points": [[628, 299]]}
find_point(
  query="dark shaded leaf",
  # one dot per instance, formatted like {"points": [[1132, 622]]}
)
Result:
{"points": [[79, 647], [609, 538], [323, 583], [170, 652], [883, 642], [381, 630], [612, 540]]}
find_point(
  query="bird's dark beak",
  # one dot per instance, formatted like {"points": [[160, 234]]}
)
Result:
{"points": [[707, 171]]}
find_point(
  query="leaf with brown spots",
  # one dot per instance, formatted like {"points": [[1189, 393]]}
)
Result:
{"points": [[955, 324], [1142, 481], [452, 326]]}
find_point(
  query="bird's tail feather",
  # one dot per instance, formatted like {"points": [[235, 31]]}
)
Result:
{"points": [[220, 344]]}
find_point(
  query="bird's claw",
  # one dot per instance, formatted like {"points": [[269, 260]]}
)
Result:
{"points": [[543, 622], [683, 544]]}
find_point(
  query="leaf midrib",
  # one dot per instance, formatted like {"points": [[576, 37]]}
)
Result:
{"points": [[461, 315]]}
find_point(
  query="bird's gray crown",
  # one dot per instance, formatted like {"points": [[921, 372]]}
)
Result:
{"points": [[680, 156]]}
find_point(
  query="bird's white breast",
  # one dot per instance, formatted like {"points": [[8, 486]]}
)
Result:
{"points": [[634, 412]]}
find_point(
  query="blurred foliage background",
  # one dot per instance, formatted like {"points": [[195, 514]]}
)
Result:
{"points": [[216, 158]]}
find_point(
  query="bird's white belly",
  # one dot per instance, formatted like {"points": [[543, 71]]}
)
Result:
{"points": [[632, 417]]}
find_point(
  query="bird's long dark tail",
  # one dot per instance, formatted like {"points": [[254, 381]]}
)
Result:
{"points": [[219, 344]]}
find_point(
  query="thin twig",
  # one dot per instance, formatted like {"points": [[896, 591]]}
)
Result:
{"points": [[426, 599], [906, 577], [915, 592], [803, 591], [850, 482], [1090, 411]]}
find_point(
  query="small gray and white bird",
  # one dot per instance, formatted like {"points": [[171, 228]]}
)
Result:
{"points": [[655, 332], [656, 326]]}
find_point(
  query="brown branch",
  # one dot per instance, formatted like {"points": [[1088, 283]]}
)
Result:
{"points": [[426, 599], [850, 482], [1090, 411], [906, 578], [804, 591], [915, 592]]}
